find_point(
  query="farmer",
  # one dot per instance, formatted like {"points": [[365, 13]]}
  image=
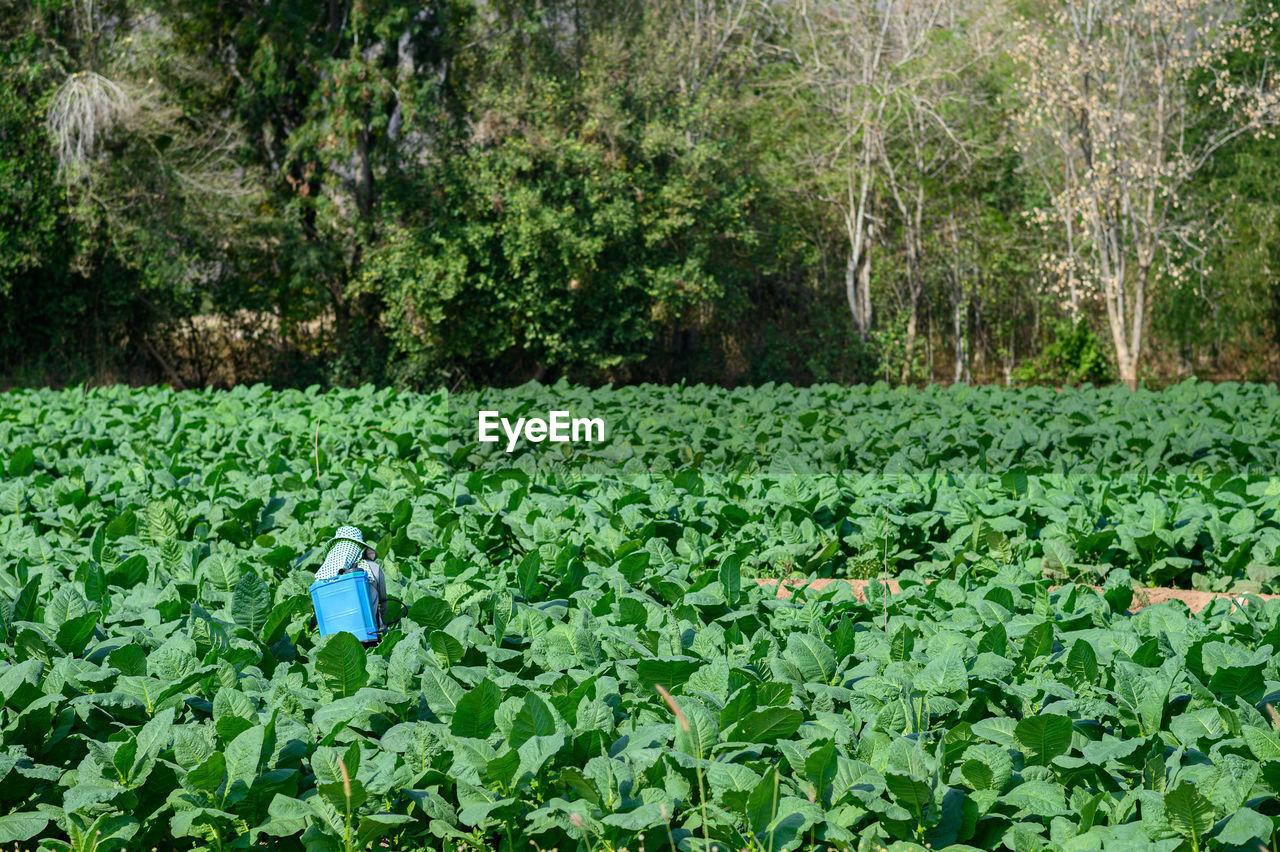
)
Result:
{"points": [[350, 553]]}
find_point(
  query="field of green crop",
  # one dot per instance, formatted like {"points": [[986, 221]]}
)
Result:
{"points": [[584, 659]]}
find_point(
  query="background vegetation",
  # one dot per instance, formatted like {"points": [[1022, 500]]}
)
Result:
{"points": [[476, 193]]}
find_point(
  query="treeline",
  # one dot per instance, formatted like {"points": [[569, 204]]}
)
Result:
{"points": [[479, 192]]}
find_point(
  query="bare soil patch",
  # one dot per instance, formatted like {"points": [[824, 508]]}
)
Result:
{"points": [[1142, 596]]}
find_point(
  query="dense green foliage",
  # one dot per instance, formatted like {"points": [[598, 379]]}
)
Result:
{"points": [[163, 683], [1075, 356], [483, 193]]}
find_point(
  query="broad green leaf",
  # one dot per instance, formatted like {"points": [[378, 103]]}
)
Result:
{"points": [[821, 765], [731, 578], [1082, 662], [24, 605], [503, 612], [95, 585], [1044, 737], [21, 463], [912, 793], [441, 691], [943, 675], [762, 803], [1039, 798], [728, 779], [65, 605], [502, 769], [341, 663], [243, 755], [999, 730], [251, 602], [474, 716], [668, 672], [534, 719], [698, 733], [156, 734], [1263, 742], [768, 724], [902, 644], [375, 826], [1038, 642], [448, 650], [76, 632], [430, 613], [527, 574], [209, 775], [1245, 827], [995, 641], [17, 827], [1190, 813], [978, 775], [812, 657]]}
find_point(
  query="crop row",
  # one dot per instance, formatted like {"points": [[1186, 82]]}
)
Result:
{"points": [[163, 684], [522, 706], [1202, 429], [251, 475]]}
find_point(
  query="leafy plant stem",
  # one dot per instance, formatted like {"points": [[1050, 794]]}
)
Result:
{"points": [[346, 795], [702, 798], [773, 817], [886, 573]]}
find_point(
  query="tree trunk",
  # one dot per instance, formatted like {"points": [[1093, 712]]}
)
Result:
{"points": [[864, 286], [913, 303], [959, 370], [851, 289], [857, 272], [364, 175], [910, 345], [1126, 323], [913, 220], [928, 345], [1128, 368], [857, 285]]}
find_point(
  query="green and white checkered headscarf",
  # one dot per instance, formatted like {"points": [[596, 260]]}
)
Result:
{"points": [[346, 548]]}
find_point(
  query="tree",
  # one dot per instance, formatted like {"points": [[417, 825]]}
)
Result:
{"points": [[130, 193], [336, 99], [597, 198], [1129, 101], [869, 75], [931, 142]]}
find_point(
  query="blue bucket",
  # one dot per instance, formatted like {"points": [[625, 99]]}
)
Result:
{"points": [[346, 604]]}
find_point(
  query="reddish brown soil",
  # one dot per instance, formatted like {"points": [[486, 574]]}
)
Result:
{"points": [[1195, 601]]}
